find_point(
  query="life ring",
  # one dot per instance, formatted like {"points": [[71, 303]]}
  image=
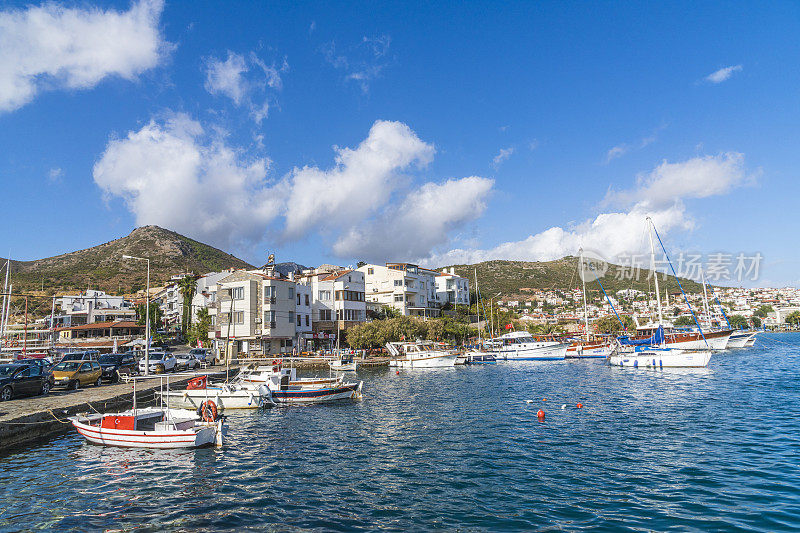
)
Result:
{"points": [[207, 411]]}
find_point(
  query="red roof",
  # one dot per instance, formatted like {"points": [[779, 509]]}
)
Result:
{"points": [[107, 324]]}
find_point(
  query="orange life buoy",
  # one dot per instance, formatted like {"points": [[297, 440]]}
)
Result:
{"points": [[207, 411]]}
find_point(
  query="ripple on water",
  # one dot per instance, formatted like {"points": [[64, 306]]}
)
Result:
{"points": [[709, 449]]}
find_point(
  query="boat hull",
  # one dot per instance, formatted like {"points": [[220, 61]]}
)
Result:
{"points": [[348, 391], [442, 360], [194, 438], [740, 340], [662, 359], [589, 351], [549, 352], [224, 399]]}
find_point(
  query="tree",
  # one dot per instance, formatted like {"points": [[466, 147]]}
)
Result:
{"points": [[199, 330], [763, 310], [755, 321], [684, 320], [793, 319], [610, 324], [187, 286], [738, 321], [156, 315]]}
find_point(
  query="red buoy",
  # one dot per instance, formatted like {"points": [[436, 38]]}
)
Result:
{"points": [[580, 405], [398, 372], [540, 415]]}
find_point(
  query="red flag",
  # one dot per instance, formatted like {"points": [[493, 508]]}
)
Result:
{"points": [[508, 326]]}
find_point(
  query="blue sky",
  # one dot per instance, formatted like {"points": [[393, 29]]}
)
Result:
{"points": [[437, 133]]}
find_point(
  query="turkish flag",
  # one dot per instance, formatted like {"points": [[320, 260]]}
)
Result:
{"points": [[508, 326]]}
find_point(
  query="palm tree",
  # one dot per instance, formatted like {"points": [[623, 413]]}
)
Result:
{"points": [[187, 286]]}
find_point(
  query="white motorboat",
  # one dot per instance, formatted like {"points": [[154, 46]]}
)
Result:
{"points": [[232, 395], [740, 339], [345, 363], [652, 357], [283, 390], [153, 427], [260, 374], [521, 346], [420, 354]]}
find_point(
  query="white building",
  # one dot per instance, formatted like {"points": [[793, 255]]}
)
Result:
{"points": [[451, 288], [406, 287], [259, 314], [90, 307], [338, 302]]}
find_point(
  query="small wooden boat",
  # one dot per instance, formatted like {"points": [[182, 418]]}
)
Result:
{"points": [[344, 364], [284, 390], [232, 395], [153, 427]]}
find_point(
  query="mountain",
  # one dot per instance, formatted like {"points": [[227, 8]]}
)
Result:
{"points": [[102, 267], [516, 280]]}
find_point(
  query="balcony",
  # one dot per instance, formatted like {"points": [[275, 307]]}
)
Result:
{"points": [[269, 300]]}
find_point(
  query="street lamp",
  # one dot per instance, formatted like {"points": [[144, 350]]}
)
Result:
{"points": [[147, 313]]}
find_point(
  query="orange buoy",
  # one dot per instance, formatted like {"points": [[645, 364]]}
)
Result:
{"points": [[540, 415], [580, 405], [544, 399]]}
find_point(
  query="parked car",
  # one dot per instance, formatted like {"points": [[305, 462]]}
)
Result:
{"points": [[116, 364], [22, 380], [203, 355], [86, 355], [186, 361], [75, 374], [44, 366], [159, 362]]}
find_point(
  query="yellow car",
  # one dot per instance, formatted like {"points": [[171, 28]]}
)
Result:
{"points": [[74, 374]]}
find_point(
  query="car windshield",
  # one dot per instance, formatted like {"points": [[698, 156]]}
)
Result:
{"points": [[114, 359], [67, 366], [197, 351], [7, 370]]}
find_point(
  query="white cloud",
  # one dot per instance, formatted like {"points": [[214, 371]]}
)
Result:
{"points": [[622, 149], [617, 151], [50, 47], [422, 222], [502, 156], [54, 175], [659, 194], [698, 177], [175, 175], [723, 74], [361, 63], [361, 182], [245, 81]]}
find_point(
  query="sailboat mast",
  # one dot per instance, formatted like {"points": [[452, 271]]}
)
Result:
{"points": [[5, 295], [583, 281], [478, 304], [655, 274], [705, 300]]}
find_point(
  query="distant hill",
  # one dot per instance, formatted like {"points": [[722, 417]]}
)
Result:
{"points": [[516, 279], [102, 267]]}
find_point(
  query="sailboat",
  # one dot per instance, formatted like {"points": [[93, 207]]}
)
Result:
{"points": [[661, 349], [477, 356], [588, 348]]}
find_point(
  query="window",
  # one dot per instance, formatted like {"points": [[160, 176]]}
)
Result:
{"points": [[291, 292], [307, 304], [370, 271], [409, 283], [307, 321], [350, 296], [238, 317], [325, 295], [324, 314], [298, 299], [35, 371], [237, 293], [86, 367], [269, 319], [398, 283], [398, 297], [291, 316], [299, 320], [269, 292]]}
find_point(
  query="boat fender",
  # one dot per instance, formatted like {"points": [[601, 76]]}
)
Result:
{"points": [[564, 406], [207, 411]]}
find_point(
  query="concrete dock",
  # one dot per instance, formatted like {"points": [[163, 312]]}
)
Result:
{"points": [[25, 420]]}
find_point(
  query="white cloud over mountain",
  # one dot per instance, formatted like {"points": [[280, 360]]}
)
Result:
{"points": [[217, 194], [658, 194], [52, 47]]}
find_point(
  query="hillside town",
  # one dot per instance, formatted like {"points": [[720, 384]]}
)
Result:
{"points": [[275, 311]]}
